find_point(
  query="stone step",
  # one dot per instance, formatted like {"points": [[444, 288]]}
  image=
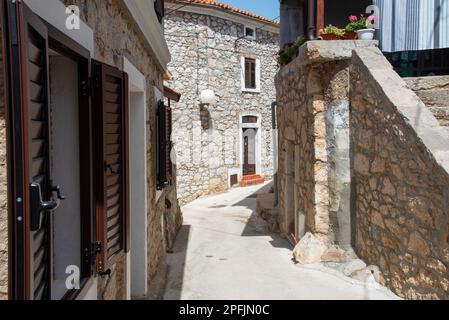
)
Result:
{"points": [[251, 177], [252, 182]]}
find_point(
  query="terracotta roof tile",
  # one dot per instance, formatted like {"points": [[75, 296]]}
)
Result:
{"points": [[227, 7]]}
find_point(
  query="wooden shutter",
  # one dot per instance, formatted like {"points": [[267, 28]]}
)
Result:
{"points": [[164, 146], [247, 73], [250, 73], [110, 104], [27, 56], [168, 144], [161, 145], [253, 73]]}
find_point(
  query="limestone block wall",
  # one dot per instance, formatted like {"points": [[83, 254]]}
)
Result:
{"points": [[434, 92], [400, 180], [3, 190], [206, 54], [313, 129]]}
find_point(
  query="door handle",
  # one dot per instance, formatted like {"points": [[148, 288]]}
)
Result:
{"points": [[37, 205], [57, 189]]}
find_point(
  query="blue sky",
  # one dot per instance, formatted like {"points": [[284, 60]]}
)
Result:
{"points": [[265, 8]]}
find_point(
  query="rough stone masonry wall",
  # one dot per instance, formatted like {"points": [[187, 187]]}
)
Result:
{"points": [[117, 36], [206, 55], [313, 129], [434, 92], [3, 190], [400, 180]]}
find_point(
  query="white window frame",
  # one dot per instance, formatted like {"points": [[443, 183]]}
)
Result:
{"points": [[242, 75], [253, 37]]}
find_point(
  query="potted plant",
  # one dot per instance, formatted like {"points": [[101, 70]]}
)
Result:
{"points": [[362, 26], [332, 33], [351, 28], [290, 51]]}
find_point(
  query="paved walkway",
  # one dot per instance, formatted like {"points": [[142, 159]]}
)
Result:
{"points": [[225, 252]]}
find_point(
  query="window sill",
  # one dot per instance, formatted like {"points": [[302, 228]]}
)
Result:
{"points": [[251, 90]]}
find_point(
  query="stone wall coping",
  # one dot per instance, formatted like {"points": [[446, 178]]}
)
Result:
{"points": [[319, 51], [434, 137]]}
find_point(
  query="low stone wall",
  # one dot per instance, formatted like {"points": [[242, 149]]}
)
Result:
{"points": [[3, 190], [400, 180], [313, 129], [434, 92]]}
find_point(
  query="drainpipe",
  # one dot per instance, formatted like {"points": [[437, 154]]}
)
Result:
{"points": [[311, 25], [275, 151]]}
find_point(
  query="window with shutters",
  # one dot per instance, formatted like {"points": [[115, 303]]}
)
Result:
{"points": [[250, 74], [164, 146], [49, 110]]}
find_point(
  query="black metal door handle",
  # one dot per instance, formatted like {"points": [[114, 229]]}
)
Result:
{"points": [[37, 206], [57, 189]]}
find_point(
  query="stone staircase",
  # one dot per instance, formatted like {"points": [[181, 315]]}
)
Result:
{"points": [[252, 180], [434, 92]]}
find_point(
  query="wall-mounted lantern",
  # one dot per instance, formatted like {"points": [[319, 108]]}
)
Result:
{"points": [[208, 97]]}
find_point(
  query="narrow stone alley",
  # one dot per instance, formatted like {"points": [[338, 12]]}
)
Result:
{"points": [[224, 250]]}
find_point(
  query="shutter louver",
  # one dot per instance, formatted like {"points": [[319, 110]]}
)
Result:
{"points": [[110, 108]]}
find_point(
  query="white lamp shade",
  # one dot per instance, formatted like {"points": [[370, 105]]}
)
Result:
{"points": [[208, 97]]}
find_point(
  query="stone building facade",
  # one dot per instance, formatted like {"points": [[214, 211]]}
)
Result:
{"points": [[363, 166], [119, 39], [208, 44]]}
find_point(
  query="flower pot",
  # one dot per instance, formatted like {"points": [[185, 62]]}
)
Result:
{"points": [[351, 35], [366, 34], [330, 37]]}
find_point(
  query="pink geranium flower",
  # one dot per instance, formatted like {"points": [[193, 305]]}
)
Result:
{"points": [[372, 19], [353, 18]]}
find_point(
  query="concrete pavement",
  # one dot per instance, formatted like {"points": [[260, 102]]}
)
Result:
{"points": [[224, 251]]}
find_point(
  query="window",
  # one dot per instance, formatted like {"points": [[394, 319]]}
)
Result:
{"points": [[164, 146], [250, 33], [249, 119], [250, 74]]}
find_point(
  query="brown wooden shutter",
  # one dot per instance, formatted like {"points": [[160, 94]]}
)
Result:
{"points": [[250, 73], [253, 74], [111, 163], [247, 73], [168, 144], [161, 145], [27, 53]]}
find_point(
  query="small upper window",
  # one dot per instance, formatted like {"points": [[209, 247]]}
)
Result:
{"points": [[250, 33], [249, 119]]}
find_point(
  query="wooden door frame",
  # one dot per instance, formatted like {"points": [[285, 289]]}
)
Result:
{"points": [[61, 43], [17, 146]]}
